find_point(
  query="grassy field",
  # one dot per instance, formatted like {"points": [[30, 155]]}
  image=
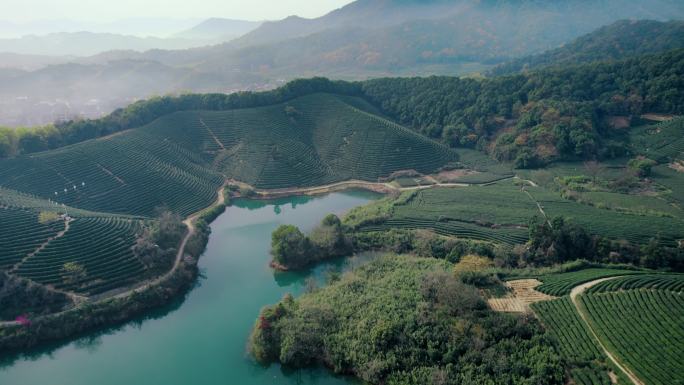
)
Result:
{"points": [[644, 329]]}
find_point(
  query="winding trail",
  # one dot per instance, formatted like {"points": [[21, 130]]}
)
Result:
{"points": [[42, 246], [576, 291], [189, 222]]}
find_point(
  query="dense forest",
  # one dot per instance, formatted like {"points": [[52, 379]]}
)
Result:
{"points": [[540, 116], [420, 324]]}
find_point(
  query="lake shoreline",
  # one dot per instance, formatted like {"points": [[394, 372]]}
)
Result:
{"points": [[120, 309]]}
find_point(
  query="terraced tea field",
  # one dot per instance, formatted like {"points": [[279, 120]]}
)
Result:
{"points": [[575, 342], [21, 233], [634, 227], [562, 284], [178, 161], [110, 186], [644, 329], [130, 173], [497, 213], [638, 318], [673, 181], [661, 142], [671, 282], [102, 246], [500, 212]]}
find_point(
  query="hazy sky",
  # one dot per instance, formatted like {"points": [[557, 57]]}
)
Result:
{"points": [[110, 10]]}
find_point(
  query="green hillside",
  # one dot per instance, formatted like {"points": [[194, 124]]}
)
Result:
{"points": [[643, 329], [179, 160], [501, 213]]}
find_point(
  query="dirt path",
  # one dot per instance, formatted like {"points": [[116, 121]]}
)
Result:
{"points": [[216, 139], [76, 298], [60, 234], [106, 171], [190, 223], [573, 296], [539, 206]]}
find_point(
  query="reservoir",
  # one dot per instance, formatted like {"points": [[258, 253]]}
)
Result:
{"points": [[201, 339]]}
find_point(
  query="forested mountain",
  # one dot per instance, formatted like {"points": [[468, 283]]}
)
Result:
{"points": [[620, 40], [367, 38], [366, 14]]}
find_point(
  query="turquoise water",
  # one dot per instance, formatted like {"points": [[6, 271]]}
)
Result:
{"points": [[201, 339]]}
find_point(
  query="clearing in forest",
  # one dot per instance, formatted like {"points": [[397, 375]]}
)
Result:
{"points": [[522, 294]]}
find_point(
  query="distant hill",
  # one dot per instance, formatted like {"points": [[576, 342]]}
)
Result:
{"points": [[218, 30], [620, 40], [88, 43], [31, 62], [366, 14], [367, 38]]}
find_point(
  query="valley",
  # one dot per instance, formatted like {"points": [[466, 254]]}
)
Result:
{"points": [[506, 208]]}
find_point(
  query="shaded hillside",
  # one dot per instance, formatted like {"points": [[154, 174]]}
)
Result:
{"points": [[366, 14], [623, 39], [180, 160]]}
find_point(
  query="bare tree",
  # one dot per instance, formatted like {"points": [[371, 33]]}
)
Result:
{"points": [[593, 169]]}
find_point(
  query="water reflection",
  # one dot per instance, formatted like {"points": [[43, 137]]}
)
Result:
{"points": [[201, 336]]}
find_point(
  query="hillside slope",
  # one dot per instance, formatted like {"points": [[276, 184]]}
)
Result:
{"points": [[620, 40], [179, 160], [368, 38]]}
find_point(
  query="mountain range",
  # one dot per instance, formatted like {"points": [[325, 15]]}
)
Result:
{"points": [[367, 38]]}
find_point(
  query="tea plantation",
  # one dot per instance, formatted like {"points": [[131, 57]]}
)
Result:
{"points": [[644, 329], [638, 317], [180, 160], [576, 343], [110, 186]]}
